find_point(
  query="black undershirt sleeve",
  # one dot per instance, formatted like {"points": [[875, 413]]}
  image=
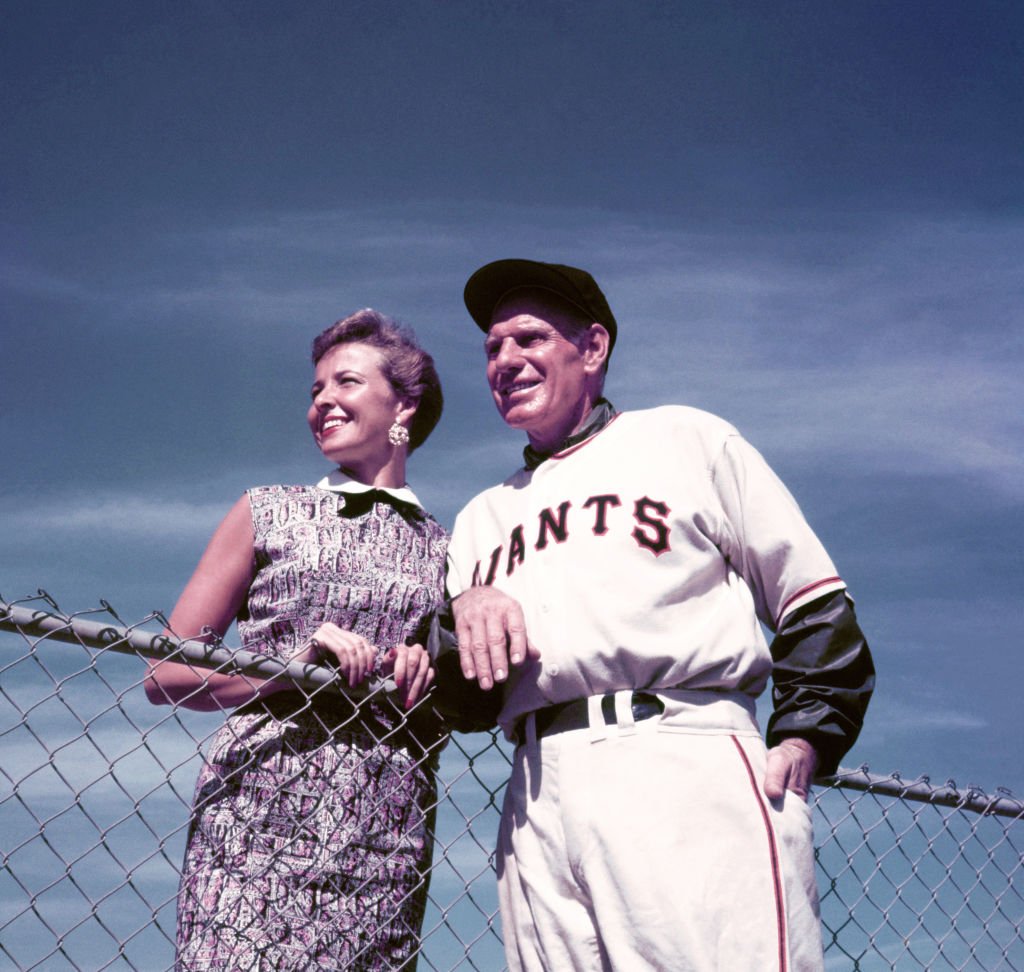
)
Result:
{"points": [[464, 705], [823, 677]]}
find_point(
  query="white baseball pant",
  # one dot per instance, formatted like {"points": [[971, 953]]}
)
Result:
{"points": [[651, 846]]}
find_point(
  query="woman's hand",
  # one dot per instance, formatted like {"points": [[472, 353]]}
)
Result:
{"points": [[412, 671], [352, 653]]}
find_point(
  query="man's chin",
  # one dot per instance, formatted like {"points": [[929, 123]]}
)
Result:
{"points": [[516, 418]]}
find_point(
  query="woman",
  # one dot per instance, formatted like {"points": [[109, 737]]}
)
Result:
{"points": [[312, 831]]}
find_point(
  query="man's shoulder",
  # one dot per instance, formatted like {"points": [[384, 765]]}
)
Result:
{"points": [[632, 428], [675, 419], [519, 478]]}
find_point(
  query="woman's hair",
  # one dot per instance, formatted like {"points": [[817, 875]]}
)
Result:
{"points": [[408, 368]]}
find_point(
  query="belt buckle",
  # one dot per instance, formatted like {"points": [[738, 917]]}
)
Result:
{"points": [[643, 705], [646, 706]]}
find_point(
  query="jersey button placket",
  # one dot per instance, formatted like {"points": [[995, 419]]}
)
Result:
{"points": [[548, 581]]}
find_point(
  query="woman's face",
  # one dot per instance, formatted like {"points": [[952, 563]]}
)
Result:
{"points": [[353, 407]]}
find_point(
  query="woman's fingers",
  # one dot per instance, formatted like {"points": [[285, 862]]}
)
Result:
{"points": [[421, 680], [354, 655], [398, 661], [412, 672]]}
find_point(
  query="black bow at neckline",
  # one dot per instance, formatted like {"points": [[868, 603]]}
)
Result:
{"points": [[359, 503]]}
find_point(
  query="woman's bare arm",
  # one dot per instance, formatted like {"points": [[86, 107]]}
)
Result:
{"points": [[211, 599]]}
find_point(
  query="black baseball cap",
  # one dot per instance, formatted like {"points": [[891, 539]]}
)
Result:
{"points": [[493, 281]]}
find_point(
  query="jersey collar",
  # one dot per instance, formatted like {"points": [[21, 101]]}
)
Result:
{"points": [[600, 415]]}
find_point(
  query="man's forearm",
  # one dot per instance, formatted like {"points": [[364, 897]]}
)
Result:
{"points": [[823, 677]]}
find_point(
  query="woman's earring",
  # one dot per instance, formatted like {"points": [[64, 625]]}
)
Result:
{"points": [[398, 434]]}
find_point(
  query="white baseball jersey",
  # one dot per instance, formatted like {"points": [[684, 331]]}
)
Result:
{"points": [[643, 558]]}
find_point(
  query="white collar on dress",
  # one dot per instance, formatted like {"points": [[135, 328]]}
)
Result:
{"points": [[338, 482]]}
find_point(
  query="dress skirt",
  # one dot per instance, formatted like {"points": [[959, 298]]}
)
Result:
{"points": [[309, 848]]}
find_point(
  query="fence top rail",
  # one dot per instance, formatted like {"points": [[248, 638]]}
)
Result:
{"points": [[76, 629], [1001, 804], [102, 635]]}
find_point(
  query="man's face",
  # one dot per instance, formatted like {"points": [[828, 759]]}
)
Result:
{"points": [[536, 373]]}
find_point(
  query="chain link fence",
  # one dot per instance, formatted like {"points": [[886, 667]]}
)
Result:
{"points": [[96, 789]]}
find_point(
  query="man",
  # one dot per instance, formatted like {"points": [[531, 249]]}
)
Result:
{"points": [[613, 587]]}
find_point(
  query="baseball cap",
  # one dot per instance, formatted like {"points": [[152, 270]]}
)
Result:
{"points": [[493, 281]]}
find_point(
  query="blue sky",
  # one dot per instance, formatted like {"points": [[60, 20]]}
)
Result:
{"points": [[807, 217]]}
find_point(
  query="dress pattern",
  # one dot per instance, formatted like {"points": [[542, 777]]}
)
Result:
{"points": [[312, 830]]}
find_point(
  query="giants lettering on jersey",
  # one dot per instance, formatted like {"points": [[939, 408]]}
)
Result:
{"points": [[650, 531]]}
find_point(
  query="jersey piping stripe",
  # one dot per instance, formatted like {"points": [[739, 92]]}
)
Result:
{"points": [[803, 592], [580, 445], [773, 853]]}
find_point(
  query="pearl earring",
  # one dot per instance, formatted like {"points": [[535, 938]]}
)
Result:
{"points": [[398, 434]]}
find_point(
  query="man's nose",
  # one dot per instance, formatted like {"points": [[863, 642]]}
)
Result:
{"points": [[508, 355]]}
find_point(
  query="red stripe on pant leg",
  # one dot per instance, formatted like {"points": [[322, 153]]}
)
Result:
{"points": [[773, 853]]}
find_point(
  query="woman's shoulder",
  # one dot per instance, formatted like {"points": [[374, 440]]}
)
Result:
{"points": [[287, 501], [278, 492], [279, 488]]}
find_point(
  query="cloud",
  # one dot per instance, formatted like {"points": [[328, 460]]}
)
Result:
{"points": [[119, 514], [910, 718], [21, 278], [889, 341], [937, 416]]}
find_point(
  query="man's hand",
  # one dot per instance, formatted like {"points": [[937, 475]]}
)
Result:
{"points": [[491, 631], [791, 766]]}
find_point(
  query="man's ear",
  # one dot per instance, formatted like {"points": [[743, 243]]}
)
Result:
{"points": [[595, 344]]}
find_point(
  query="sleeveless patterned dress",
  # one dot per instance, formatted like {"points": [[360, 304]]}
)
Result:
{"points": [[312, 832]]}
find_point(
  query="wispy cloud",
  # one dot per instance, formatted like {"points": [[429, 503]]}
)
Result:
{"points": [[21, 278], [122, 515], [891, 342], [941, 416], [912, 718]]}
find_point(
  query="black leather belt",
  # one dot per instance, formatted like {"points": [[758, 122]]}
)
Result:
{"points": [[564, 716]]}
